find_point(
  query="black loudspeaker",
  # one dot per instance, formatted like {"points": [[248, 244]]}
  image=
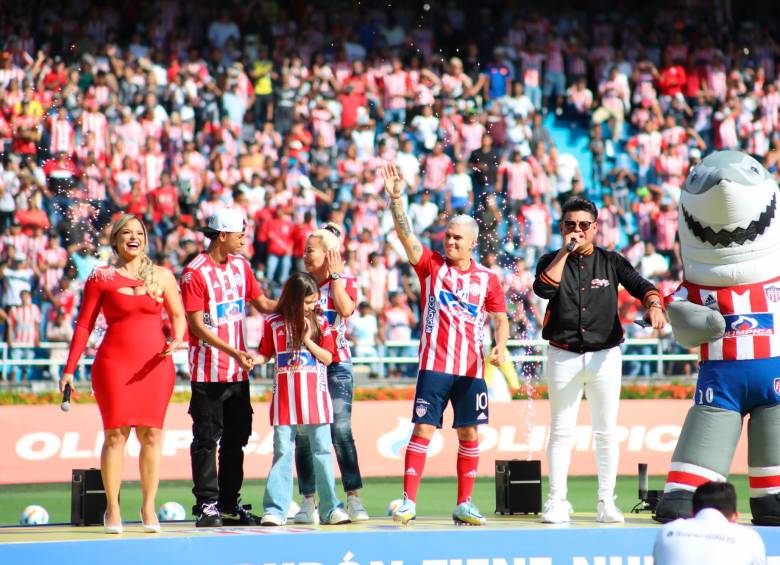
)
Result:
{"points": [[518, 487], [88, 498]]}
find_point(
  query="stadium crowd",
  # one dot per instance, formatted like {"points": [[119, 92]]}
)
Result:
{"points": [[286, 110]]}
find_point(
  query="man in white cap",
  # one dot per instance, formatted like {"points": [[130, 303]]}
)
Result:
{"points": [[215, 287]]}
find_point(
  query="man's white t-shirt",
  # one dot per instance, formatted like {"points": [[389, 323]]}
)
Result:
{"points": [[708, 538]]}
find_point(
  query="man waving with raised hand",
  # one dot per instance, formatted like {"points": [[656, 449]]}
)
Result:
{"points": [[457, 296]]}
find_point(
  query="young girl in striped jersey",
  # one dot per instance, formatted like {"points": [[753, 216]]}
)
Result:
{"points": [[303, 346]]}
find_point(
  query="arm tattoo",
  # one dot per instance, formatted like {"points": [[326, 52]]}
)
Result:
{"points": [[401, 221]]}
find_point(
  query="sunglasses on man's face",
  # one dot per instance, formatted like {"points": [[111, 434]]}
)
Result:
{"points": [[571, 225]]}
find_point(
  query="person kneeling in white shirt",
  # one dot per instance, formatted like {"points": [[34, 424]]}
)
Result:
{"points": [[712, 536]]}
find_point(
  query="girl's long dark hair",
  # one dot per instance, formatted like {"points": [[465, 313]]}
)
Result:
{"points": [[290, 306]]}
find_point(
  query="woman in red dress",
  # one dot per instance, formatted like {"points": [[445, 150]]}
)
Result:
{"points": [[133, 374]]}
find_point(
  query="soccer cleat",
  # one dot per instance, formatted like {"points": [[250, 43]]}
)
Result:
{"points": [[269, 519], [466, 513], [207, 516], [308, 512], [556, 511], [239, 515], [608, 513], [337, 517], [355, 509], [406, 512]]}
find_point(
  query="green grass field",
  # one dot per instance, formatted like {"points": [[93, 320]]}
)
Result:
{"points": [[436, 496]]}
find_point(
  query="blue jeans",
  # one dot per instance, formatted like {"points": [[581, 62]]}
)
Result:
{"points": [[397, 115], [280, 263], [279, 486], [340, 385]]}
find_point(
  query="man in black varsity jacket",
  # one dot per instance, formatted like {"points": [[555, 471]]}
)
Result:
{"points": [[581, 323]]}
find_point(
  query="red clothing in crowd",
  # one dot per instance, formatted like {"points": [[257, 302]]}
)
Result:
{"points": [[164, 203], [672, 81], [302, 233], [279, 232]]}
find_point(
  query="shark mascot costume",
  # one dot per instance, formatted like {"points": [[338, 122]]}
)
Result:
{"points": [[729, 304]]}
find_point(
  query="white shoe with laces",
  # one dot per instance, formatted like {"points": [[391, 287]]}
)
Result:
{"points": [[556, 511], [608, 513], [355, 509], [308, 512], [337, 518]]}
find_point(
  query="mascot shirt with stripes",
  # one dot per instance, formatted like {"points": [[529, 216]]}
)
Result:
{"points": [[729, 306]]}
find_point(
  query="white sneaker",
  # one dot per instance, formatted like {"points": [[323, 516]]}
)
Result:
{"points": [[269, 519], [608, 512], [337, 517], [308, 512], [357, 513], [556, 511]]}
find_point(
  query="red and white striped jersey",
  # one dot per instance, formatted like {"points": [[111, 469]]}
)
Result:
{"points": [[517, 175], [455, 304], [300, 394], [132, 135], [96, 123], [25, 321], [396, 86], [13, 74], [752, 313], [152, 168], [648, 146], [437, 167], [62, 136], [221, 293], [339, 324]]}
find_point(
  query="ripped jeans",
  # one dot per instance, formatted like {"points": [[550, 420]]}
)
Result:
{"points": [[340, 385]]}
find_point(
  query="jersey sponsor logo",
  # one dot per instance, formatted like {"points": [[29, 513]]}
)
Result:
{"points": [[330, 315], [777, 386], [431, 315], [459, 308], [752, 324], [772, 293], [599, 283], [231, 311], [296, 360]]}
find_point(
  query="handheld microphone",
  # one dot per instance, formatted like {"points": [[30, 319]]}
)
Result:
{"points": [[571, 245], [65, 406]]}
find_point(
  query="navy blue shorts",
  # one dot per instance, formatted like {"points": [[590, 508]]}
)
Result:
{"points": [[739, 386], [434, 390]]}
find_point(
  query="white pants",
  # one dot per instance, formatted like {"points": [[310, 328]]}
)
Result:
{"points": [[598, 373]]}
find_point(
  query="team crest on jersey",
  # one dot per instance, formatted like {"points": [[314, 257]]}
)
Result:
{"points": [[186, 278], [749, 324], [777, 386], [599, 283], [772, 293]]}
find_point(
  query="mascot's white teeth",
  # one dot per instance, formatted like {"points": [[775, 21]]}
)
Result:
{"points": [[737, 236]]}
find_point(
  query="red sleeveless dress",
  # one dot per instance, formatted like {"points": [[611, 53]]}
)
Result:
{"points": [[132, 382]]}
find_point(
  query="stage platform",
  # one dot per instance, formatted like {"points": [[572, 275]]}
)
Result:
{"points": [[506, 540]]}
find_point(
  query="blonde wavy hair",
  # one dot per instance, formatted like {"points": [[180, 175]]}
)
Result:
{"points": [[146, 269]]}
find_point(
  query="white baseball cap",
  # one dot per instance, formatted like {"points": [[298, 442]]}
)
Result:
{"points": [[226, 220]]}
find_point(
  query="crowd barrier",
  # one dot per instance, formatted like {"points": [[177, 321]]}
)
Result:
{"points": [[389, 353]]}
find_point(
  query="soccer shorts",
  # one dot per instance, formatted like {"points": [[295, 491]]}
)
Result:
{"points": [[468, 396], [739, 386]]}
